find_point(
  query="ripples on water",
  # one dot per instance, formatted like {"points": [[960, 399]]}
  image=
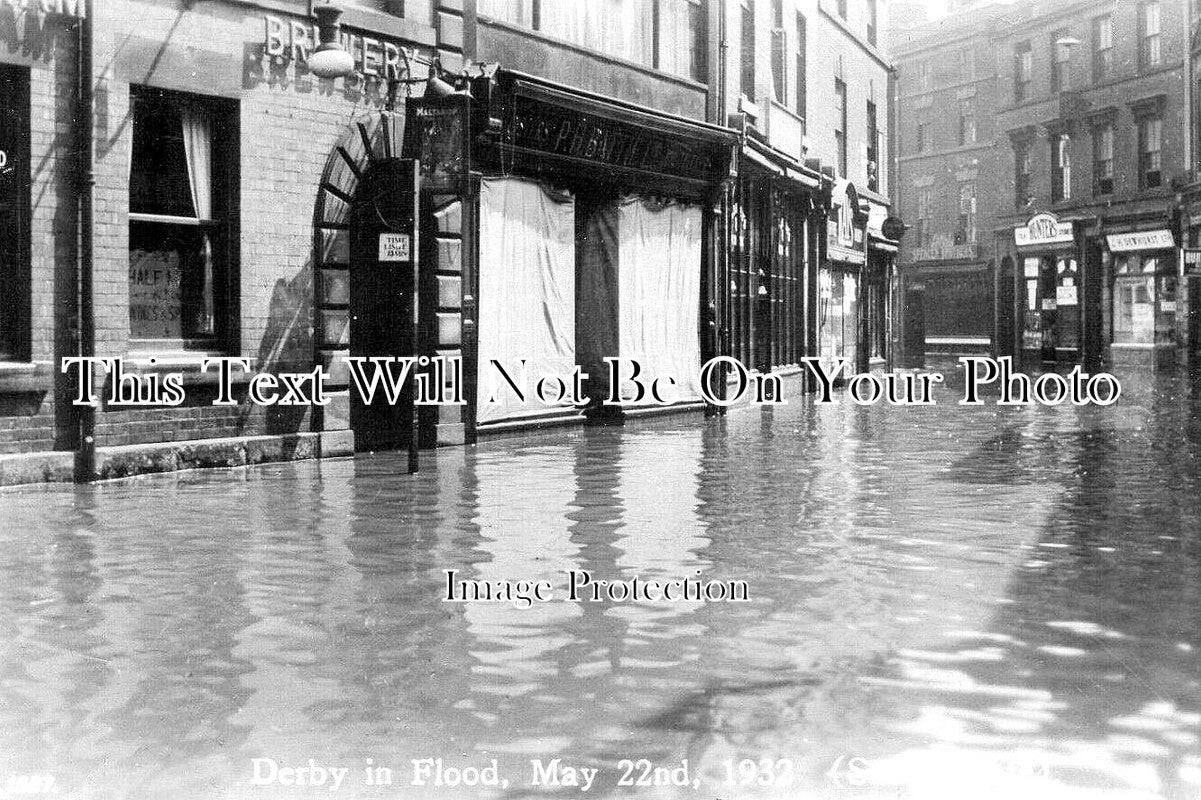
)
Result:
{"points": [[963, 602]]}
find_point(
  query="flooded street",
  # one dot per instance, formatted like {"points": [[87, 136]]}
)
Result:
{"points": [[944, 602]]}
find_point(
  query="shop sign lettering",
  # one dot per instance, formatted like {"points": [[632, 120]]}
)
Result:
{"points": [[291, 41], [1143, 240], [565, 132], [1043, 229]]}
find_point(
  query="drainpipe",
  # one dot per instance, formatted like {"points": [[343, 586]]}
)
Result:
{"points": [[85, 335]]}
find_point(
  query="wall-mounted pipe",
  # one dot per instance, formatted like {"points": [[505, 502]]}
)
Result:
{"points": [[85, 319]]}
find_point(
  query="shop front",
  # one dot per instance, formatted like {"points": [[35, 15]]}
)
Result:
{"points": [[1144, 283], [840, 279], [587, 238], [881, 285], [772, 214], [1053, 292]]}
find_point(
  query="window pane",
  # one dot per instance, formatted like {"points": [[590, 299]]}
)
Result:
{"points": [[517, 12], [621, 28], [682, 38], [170, 282], [14, 209], [158, 177]]}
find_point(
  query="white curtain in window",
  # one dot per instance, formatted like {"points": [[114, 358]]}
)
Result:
{"points": [[659, 291], [621, 28], [676, 37], [198, 148], [526, 292]]}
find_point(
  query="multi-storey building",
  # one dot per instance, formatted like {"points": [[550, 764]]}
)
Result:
{"points": [[1092, 120], [490, 181], [948, 172]]}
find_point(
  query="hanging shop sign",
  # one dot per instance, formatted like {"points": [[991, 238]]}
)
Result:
{"points": [[1142, 240], [436, 135], [1043, 229]]}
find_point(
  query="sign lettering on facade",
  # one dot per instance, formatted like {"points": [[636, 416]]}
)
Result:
{"points": [[1043, 229], [1143, 240], [394, 247], [291, 41]]}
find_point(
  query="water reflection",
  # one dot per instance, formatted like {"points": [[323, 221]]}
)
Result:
{"points": [[956, 601]]}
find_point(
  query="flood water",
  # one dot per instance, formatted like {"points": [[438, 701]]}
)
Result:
{"points": [[944, 602]]}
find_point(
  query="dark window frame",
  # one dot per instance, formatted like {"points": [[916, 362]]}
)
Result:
{"points": [[1023, 69], [873, 146], [1021, 172], [746, 78], [16, 225], [840, 133], [1061, 62], [1103, 163], [1102, 56], [1150, 45], [779, 70], [222, 228], [1150, 162], [802, 65]]}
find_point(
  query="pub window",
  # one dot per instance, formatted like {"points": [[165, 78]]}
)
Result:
{"points": [[1102, 48], [1150, 155], [1103, 159], [965, 233], [967, 122], [14, 213], [180, 219], [840, 120], [778, 70], [802, 83], [748, 49], [1021, 173], [1149, 39], [1061, 65], [1061, 168], [1023, 70]]}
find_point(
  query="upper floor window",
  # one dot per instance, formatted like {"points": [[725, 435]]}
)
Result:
{"points": [[1149, 39], [1061, 64], [840, 121], [1021, 173], [925, 213], [873, 148], [14, 213], [966, 64], [922, 138], [925, 78], [1150, 155], [1023, 70], [1102, 48], [747, 76], [1061, 167], [873, 21], [842, 8], [802, 65], [779, 77], [965, 233], [663, 34], [967, 122], [1103, 159]]}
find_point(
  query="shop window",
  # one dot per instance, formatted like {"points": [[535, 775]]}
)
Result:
{"points": [[1061, 168], [1021, 173], [778, 77], [1144, 298], [180, 218], [1023, 70], [1061, 63], [1149, 38], [14, 213], [840, 120], [802, 83], [1103, 159], [967, 122], [747, 75], [1150, 153], [966, 230], [1102, 48]]}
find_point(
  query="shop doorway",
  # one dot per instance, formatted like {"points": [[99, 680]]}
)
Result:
{"points": [[383, 289]]}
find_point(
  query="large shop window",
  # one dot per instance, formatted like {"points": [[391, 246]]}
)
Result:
{"points": [[838, 314], [184, 151], [659, 290], [526, 289], [1144, 298], [14, 213]]}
